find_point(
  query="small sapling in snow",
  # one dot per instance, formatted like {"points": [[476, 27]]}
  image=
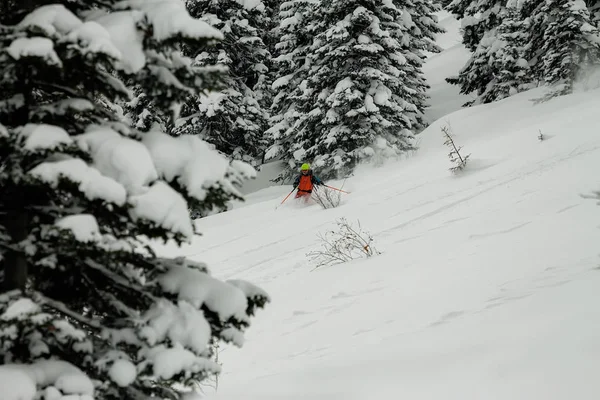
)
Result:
{"points": [[459, 160], [541, 136]]}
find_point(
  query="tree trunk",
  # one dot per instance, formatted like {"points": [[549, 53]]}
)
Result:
{"points": [[15, 262]]}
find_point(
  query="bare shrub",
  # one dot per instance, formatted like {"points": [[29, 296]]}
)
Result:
{"points": [[343, 244], [327, 198]]}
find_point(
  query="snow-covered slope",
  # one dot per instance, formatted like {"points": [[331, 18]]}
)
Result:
{"points": [[487, 286], [445, 98]]}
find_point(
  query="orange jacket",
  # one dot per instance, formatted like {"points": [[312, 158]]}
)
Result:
{"points": [[305, 183]]}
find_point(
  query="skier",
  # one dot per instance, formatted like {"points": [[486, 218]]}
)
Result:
{"points": [[306, 181]]}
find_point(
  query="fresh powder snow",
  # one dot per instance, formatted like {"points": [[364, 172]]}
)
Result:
{"points": [[60, 379], [93, 184], [487, 284], [122, 372], [84, 227]]}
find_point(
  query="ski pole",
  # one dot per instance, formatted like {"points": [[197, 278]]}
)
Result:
{"points": [[340, 190], [286, 197]]}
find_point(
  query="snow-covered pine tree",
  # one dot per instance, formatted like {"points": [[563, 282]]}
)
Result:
{"points": [[480, 21], [512, 73], [473, 26], [87, 308], [270, 24], [571, 45], [529, 11], [233, 119], [426, 26], [418, 35], [359, 106], [268, 32], [295, 35]]}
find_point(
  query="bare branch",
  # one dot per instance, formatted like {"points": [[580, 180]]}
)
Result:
{"points": [[63, 309], [343, 245]]}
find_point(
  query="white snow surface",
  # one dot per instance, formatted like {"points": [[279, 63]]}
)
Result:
{"points": [[188, 158], [34, 47], [198, 288], [252, 4], [20, 309], [170, 18], [486, 287], [123, 159], [121, 26], [52, 19], [93, 184], [164, 206], [16, 384], [96, 39], [170, 361], [60, 379], [445, 98], [181, 323], [83, 226], [122, 372]]}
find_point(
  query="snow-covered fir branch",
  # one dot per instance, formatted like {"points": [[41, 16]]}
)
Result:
{"points": [[87, 309]]}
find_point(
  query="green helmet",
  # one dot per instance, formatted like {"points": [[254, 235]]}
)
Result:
{"points": [[305, 167]]}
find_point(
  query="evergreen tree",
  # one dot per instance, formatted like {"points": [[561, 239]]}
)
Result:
{"points": [[270, 36], [478, 18], [87, 307], [480, 21], [536, 21], [233, 119], [271, 23], [359, 107], [418, 35], [426, 26], [511, 69], [295, 31], [571, 45]]}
